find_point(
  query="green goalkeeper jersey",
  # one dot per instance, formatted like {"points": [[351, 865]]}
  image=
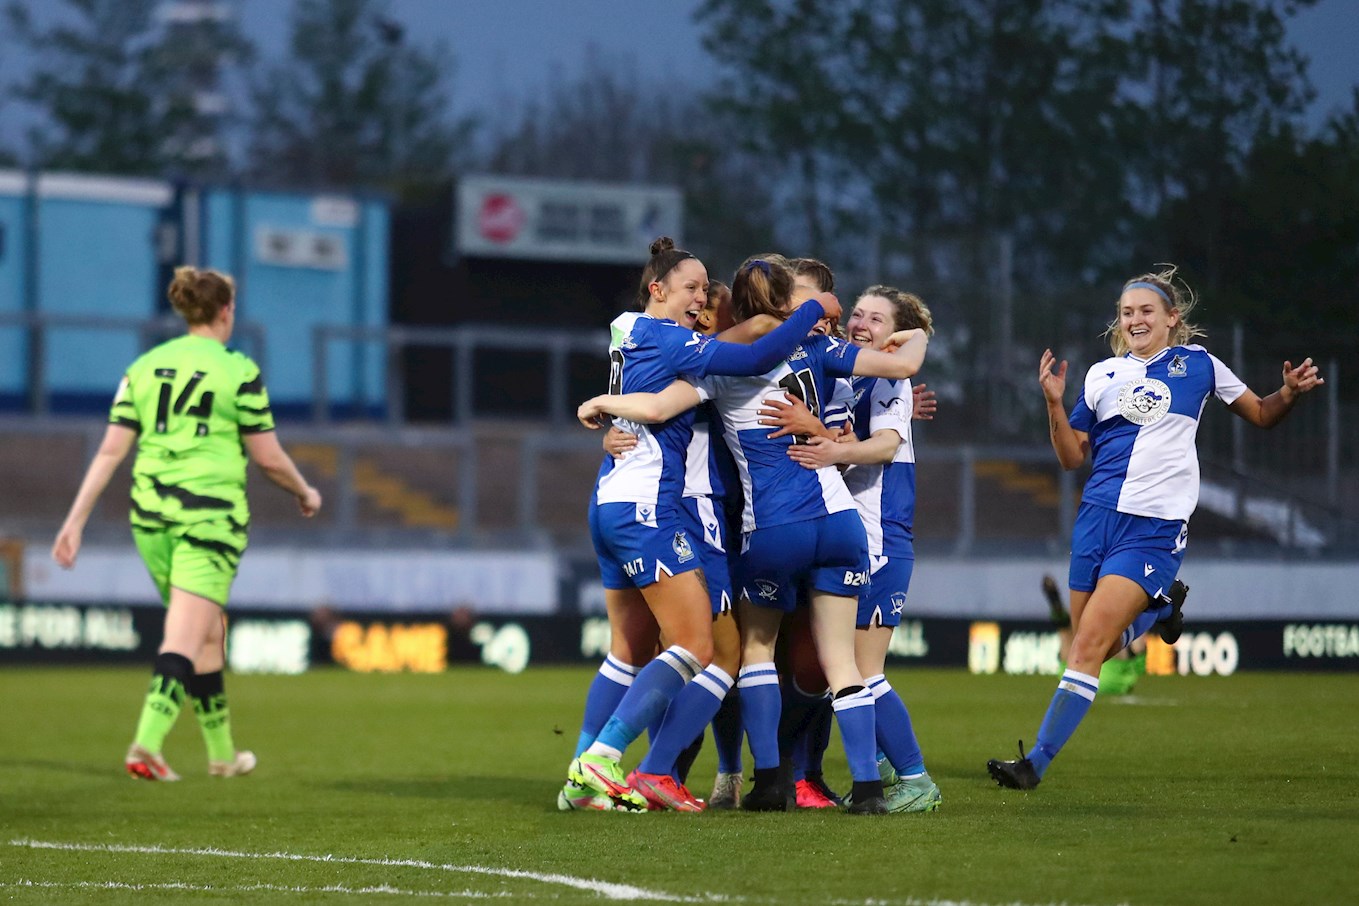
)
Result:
{"points": [[190, 400]]}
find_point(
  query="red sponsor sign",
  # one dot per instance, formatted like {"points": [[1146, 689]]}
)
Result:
{"points": [[501, 218]]}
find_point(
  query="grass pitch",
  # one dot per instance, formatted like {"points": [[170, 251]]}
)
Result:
{"points": [[389, 788]]}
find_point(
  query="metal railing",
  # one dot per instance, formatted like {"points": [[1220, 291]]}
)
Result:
{"points": [[542, 504], [1320, 487], [464, 342], [39, 326]]}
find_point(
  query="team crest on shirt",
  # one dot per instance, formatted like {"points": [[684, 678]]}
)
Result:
{"points": [[898, 603], [1178, 367], [1144, 401], [768, 590], [682, 548]]}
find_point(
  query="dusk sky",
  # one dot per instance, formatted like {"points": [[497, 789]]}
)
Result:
{"points": [[506, 50]]}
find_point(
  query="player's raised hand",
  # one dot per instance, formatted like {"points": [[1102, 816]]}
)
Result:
{"points": [[831, 306], [1053, 383], [900, 338], [1303, 378]]}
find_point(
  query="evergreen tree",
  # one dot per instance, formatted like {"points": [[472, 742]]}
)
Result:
{"points": [[121, 87]]}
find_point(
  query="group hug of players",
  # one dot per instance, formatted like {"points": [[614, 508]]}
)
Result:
{"points": [[759, 404]]}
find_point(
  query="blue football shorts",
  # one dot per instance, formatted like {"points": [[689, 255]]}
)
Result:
{"points": [[884, 598], [1145, 549], [637, 543], [706, 522], [829, 552]]}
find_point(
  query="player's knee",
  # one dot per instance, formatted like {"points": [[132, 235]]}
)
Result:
{"points": [[702, 650], [728, 659], [1087, 649]]}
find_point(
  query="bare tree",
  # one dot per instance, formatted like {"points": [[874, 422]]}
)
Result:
{"points": [[355, 103]]}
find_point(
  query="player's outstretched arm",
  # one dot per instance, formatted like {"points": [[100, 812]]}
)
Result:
{"points": [[644, 408], [266, 452], [113, 449], [1269, 411]]}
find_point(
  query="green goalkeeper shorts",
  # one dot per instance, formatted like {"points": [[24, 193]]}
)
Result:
{"points": [[200, 557]]}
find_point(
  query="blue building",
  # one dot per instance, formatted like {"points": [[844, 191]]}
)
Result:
{"points": [[86, 259]]}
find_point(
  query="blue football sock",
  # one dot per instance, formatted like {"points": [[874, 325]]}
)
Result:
{"points": [[798, 710], [819, 734], [606, 691], [686, 717], [854, 714], [760, 707], [1070, 703], [798, 756], [1142, 622], [728, 736], [651, 693], [896, 736], [653, 729]]}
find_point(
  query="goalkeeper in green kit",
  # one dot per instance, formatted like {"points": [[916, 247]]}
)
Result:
{"points": [[195, 410]]}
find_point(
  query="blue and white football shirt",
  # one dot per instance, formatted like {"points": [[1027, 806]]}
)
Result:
{"points": [[843, 397], [646, 355], [777, 490], [885, 492], [1142, 416], [704, 472]]}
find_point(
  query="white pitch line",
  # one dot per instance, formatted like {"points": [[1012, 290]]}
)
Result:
{"points": [[26, 884], [603, 888]]}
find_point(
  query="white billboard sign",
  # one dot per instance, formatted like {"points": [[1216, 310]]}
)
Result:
{"points": [[559, 220]]}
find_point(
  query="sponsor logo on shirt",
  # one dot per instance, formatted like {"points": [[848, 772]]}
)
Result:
{"points": [[700, 341], [798, 353], [1144, 401], [627, 342]]}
